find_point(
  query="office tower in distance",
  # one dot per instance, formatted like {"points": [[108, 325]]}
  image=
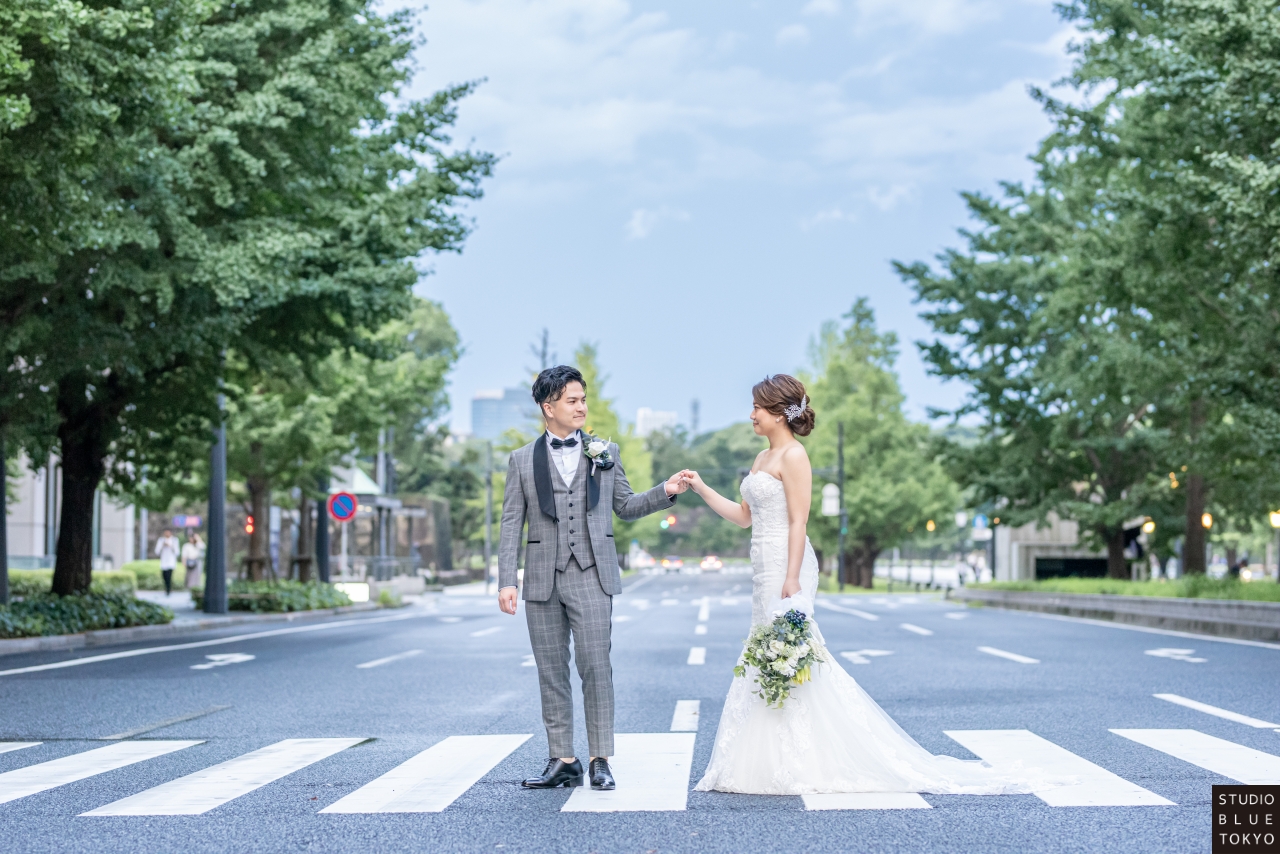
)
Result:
{"points": [[495, 412]]}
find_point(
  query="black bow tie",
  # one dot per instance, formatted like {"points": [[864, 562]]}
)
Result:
{"points": [[563, 443]]}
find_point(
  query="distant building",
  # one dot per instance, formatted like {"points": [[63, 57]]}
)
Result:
{"points": [[650, 420], [495, 412]]}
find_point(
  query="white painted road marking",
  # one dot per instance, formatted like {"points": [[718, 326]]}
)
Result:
{"points": [[378, 662], [916, 629], [854, 611], [489, 631], [1177, 655], [652, 770], [1007, 749], [867, 801], [700, 629], [697, 655], [78, 766], [622, 618], [642, 604], [670, 601], [686, 717], [528, 661], [955, 615], [864, 656], [451, 619], [223, 658], [1214, 710], [149, 650], [434, 778], [9, 746], [1249, 766], [1012, 656], [704, 612], [204, 790]]}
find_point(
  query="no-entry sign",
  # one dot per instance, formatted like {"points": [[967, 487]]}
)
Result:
{"points": [[342, 506]]}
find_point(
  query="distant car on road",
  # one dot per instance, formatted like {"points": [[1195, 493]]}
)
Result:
{"points": [[711, 562], [671, 563]]}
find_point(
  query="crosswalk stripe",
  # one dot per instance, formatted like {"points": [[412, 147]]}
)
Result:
{"points": [[212, 787], [854, 611], [867, 801], [652, 770], [78, 766], [1007, 749], [433, 779], [9, 746], [1214, 710], [697, 655], [687, 715], [1226, 758]]}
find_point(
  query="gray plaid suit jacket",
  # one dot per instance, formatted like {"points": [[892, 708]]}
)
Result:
{"points": [[525, 500]]}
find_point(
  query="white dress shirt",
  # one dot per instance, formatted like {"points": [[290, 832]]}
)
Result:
{"points": [[566, 459]]}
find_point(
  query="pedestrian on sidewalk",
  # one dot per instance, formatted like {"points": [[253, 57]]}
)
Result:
{"points": [[191, 552], [167, 550]]}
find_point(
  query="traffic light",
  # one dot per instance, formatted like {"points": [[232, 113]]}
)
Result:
{"points": [[669, 522], [248, 525]]}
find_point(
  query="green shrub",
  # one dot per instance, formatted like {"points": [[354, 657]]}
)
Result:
{"points": [[273, 597], [389, 598], [1187, 587], [148, 573], [35, 582], [49, 614]]}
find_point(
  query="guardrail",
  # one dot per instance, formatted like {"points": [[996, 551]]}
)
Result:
{"points": [[1233, 618]]}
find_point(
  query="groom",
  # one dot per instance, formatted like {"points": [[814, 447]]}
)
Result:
{"points": [[571, 567]]}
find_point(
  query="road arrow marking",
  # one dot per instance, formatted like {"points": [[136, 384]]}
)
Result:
{"points": [[1176, 655]]}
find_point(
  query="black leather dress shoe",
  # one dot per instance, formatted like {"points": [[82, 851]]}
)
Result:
{"points": [[557, 773], [601, 776]]}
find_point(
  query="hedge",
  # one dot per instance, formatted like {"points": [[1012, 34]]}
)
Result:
{"points": [[272, 597], [148, 573], [50, 614], [35, 582], [1186, 587]]}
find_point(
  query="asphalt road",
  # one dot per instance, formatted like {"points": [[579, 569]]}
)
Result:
{"points": [[455, 667]]}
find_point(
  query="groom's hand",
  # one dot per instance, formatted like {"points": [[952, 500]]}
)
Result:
{"points": [[507, 598], [676, 484]]}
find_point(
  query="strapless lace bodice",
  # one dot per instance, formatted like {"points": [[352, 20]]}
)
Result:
{"points": [[767, 499]]}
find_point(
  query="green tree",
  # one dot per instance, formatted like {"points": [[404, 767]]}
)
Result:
{"points": [[263, 200], [893, 483], [720, 457]]}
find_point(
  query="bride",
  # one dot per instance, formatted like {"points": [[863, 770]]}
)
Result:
{"points": [[829, 736]]}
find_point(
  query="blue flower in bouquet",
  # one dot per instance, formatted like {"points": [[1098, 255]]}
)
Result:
{"points": [[783, 654]]}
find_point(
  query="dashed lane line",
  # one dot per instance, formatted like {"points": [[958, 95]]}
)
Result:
{"points": [[914, 629], [1214, 710], [378, 662], [697, 655], [853, 611], [1011, 656], [492, 630]]}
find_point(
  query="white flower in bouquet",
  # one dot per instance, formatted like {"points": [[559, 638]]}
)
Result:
{"points": [[782, 654], [777, 646]]}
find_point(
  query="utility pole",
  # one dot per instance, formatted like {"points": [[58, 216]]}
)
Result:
{"points": [[215, 564], [4, 524], [322, 532], [844, 514], [488, 514], [694, 407]]}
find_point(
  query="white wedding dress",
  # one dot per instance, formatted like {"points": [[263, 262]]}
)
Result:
{"points": [[829, 736]]}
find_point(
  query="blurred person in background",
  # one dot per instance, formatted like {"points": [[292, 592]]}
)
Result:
{"points": [[167, 550], [192, 551]]}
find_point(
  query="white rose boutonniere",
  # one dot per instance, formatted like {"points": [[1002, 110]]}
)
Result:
{"points": [[597, 450]]}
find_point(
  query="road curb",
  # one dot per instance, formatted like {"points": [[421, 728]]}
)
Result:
{"points": [[108, 637], [1231, 618]]}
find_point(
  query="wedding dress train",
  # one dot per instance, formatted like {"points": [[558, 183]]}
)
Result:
{"points": [[829, 736]]}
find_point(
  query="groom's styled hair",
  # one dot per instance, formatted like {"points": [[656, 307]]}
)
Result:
{"points": [[550, 383]]}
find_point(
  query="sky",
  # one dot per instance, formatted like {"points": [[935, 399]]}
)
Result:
{"points": [[696, 187]]}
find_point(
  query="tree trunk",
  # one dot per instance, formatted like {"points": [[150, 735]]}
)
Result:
{"points": [[1193, 545], [305, 533], [4, 525], [861, 560], [1117, 566], [259, 491], [82, 466]]}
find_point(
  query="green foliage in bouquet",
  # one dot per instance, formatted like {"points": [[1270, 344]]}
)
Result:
{"points": [[783, 652]]}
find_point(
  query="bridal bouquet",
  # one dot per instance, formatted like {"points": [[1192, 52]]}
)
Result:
{"points": [[784, 653]]}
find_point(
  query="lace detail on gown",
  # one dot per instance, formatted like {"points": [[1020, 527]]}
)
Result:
{"points": [[829, 736]]}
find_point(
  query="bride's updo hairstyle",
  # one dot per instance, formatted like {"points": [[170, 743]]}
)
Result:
{"points": [[780, 391]]}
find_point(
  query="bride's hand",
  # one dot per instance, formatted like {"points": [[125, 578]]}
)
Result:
{"points": [[790, 587], [694, 480]]}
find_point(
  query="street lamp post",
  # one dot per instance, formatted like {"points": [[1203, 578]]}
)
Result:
{"points": [[844, 514], [215, 564], [1275, 523], [322, 532]]}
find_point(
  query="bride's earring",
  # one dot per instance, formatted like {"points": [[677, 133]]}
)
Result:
{"points": [[777, 420]]}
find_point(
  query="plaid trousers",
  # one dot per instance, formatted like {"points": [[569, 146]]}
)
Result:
{"points": [[577, 605]]}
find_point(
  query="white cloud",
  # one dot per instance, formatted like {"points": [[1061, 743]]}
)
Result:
{"points": [[644, 221], [887, 199], [823, 217], [792, 34], [929, 17], [821, 7]]}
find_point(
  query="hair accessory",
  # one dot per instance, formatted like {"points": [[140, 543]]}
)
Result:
{"points": [[793, 412]]}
